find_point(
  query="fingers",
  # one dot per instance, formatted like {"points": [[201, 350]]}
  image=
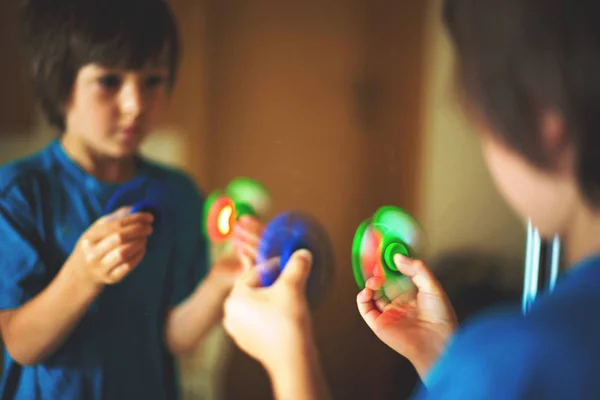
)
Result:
{"points": [[118, 273], [297, 270], [246, 250], [246, 262], [123, 254], [129, 233], [367, 307], [120, 213], [375, 283], [295, 273], [248, 230], [109, 224], [246, 236], [250, 226], [421, 276], [379, 298], [251, 276]]}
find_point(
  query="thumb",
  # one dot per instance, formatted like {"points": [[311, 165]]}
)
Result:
{"points": [[297, 269], [420, 274]]}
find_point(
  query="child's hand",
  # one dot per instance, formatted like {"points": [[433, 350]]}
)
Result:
{"points": [[246, 236], [271, 324], [417, 327], [226, 270], [111, 247]]}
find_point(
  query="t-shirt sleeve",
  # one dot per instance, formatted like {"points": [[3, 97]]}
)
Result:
{"points": [[22, 271], [490, 361], [191, 261]]}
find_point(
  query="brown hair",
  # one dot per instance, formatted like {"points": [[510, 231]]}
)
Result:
{"points": [[517, 58], [61, 36]]}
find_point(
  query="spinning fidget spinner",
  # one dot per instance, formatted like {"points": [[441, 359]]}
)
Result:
{"points": [[390, 231], [282, 236], [144, 194], [287, 233], [243, 196]]}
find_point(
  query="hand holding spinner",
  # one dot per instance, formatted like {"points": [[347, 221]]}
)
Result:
{"points": [[243, 196], [143, 194], [390, 231], [285, 234]]}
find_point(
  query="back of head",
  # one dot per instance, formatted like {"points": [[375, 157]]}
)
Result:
{"points": [[61, 36], [518, 59]]}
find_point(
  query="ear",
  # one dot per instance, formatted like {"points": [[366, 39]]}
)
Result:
{"points": [[554, 139]]}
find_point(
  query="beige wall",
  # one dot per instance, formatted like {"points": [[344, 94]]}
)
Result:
{"points": [[18, 144], [460, 206]]}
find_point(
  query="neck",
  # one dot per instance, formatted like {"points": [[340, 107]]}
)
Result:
{"points": [[103, 168], [582, 239]]}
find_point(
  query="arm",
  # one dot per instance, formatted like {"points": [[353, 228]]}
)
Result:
{"points": [[35, 330], [188, 322], [36, 317], [273, 326], [105, 254], [302, 377], [196, 309]]}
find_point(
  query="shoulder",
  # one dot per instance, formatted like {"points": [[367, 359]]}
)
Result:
{"points": [[489, 341], [25, 180], [505, 355]]}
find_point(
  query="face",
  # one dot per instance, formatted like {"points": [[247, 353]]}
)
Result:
{"points": [[547, 198], [112, 110]]}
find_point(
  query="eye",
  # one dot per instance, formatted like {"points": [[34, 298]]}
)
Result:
{"points": [[153, 81], [110, 82]]}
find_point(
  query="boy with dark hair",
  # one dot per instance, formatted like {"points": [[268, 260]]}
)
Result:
{"points": [[95, 306], [529, 72]]}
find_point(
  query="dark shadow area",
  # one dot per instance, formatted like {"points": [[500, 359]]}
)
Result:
{"points": [[476, 281]]}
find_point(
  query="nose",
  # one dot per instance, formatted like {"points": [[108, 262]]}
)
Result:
{"points": [[132, 99]]}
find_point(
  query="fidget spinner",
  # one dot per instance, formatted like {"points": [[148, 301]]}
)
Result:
{"points": [[282, 236], [222, 210], [287, 233], [143, 194], [377, 240]]}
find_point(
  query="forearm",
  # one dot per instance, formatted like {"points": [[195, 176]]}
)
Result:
{"points": [[190, 321], [35, 330], [300, 376]]}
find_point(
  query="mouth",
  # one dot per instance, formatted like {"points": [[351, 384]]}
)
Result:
{"points": [[131, 131]]}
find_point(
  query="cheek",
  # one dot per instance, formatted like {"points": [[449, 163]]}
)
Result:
{"points": [[94, 116], [156, 109]]}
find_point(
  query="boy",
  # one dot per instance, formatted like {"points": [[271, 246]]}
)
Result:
{"points": [[529, 72], [94, 306]]}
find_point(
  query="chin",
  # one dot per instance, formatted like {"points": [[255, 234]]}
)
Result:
{"points": [[121, 151], [126, 148]]}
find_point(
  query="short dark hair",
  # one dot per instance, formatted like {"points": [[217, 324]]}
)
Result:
{"points": [[517, 58], [61, 36]]}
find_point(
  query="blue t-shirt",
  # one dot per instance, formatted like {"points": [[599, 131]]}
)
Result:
{"points": [[117, 350], [552, 353]]}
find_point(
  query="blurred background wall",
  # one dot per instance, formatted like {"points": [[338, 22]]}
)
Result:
{"points": [[338, 107]]}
